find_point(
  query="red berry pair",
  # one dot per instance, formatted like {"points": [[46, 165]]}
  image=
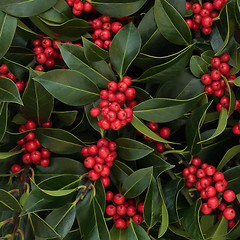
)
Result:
{"points": [[78, 6]]}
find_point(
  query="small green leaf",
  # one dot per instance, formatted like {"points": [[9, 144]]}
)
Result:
{"points": [[78, 90], [124, 48], [136, 232], [171, 24], [137, 182], [3, 119], [197, 66], [131, 150], [67, 118], [8, 202]]}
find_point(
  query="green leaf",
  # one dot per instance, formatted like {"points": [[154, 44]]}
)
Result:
{"points": [[3, 119], [41, 228], [222, 123], [62, 219], [70, 30], [197, 66], [5, 155], [58, 140], [38, 103], [136, 232], [100, 194], [24, 30], [140, 126], [124, 48], [167, 70], [118, 234], [93, 52], [70, 87], [219, 230], [9, 91], [97, 224], [171, 24], [67, 118], [75, 59], [233, 179], [59, 13], [207, 56], [164, 110], [131, 150], [116, 8], [191, 221], [8, 202], [193, 128], [26, 8], [137, 182], [152, 206], [232, 152], [8, 25]]}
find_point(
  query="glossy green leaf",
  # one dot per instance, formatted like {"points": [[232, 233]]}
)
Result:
{"points": [[75, 59], [171, 24], [25, 30], [116, 8], [137, 182], [70, 30], [70, 87], [191, 220], [164, 110], [197, 66], [207, 56], [93, 52], [118, 234], [219, 230], [168, 70], [232, 152], [67, 118], [5, 155], [9, 91], [59, 13], [152, 206], [233, 179], [62, 219], [38, 103], [124, 48], [58, 140], [222, 123], [8, 202], [8, 25], [41, 228], [140, 126], [136, 232], [100, 194], [193, 128], [131, 150], [3, 119]]}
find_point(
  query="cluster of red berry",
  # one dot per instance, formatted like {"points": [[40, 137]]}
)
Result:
{"points": [[34, 152], [110, 106], [47, 52], [204, 15], [216, 85], [122, 210], [79, 6], [100, 158], [211, 185], [4, 72]]}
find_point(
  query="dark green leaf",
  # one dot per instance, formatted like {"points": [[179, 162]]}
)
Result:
{"points": [[233, 179], [136, 232], [171, 24], [75, 59], [116, 8], [67, 118], [118, 234], [137, 182], [62, 219], [26, 8], [93, 52], [165, 110], [58, 140], [5, 155], [8, 202], [9, 91], [38, 103], [131, 150], [70, 87], [3, 119], [152, 206], [191, 221], [100, 194], [168, 70], [124, 48], [8, 25], [207, 56], [219, 230], [197, 66]]}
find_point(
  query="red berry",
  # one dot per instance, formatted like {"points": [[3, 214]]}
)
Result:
{"points": [[31, 146], [208, 6], [105, 181], [207, 22], [104, 103], [219, 92], [231, 224], [130, 93], [47, 124], [229, 213], [103, 152], [55, 44], [164, 132], [89, 162], [210, 191], [198, 186], [153, 126], [121, 210], [206, 79], [127, 80], [46, 42], [102, 143], [116, 26], [192, 169], [45, 153], [196, 8], [137, 219], [210, 170], [140, 207], [116, 124], [224, 68], [159, 146], [225, 57], [205, 209], [120, 223], [112, 146], [203, 194], [208, 89], [122, 87], [216, 62], [111, 210], [204, 12], [99, 43], [191, 178], [222, 206], [196, 162], [189, 22], [87, 6], [44, 162], [78, 6], [212, 202], [37, 42], [93, 175], [37, 50], [204, 182], [220, 186], [109, 196], [218, 176], [236, 129], [218, 4], [30, 136], [197, 19], [105, 35], [131, 211], [35, 156], [39, 68], [93, 150], [188, 5], [105, 171], [112, 86], [200, 173], [225, 101], [15, 168], [95, 112], [30, 125], [96, 23], [216, 86], [229, 196], [118, 199], [215, 75]]}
